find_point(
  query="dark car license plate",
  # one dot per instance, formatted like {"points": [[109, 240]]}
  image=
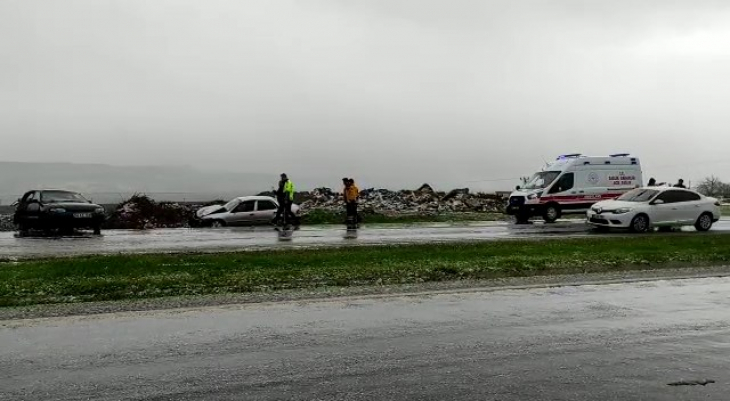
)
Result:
{"points": [[82, 215]]}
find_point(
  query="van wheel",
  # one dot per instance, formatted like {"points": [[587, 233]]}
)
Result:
{"points": [[551, 213], [704, 222], [640, 224]]}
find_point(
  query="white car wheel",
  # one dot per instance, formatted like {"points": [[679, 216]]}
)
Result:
{"points": [[704, 222], [217, 224], [640, 224]]}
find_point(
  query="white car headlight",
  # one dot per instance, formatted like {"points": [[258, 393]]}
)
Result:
{"points": [[622, 210]]}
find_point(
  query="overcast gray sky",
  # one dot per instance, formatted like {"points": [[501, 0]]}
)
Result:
{"points": [[392, 92]]}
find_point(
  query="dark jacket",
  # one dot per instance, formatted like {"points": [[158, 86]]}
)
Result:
{"points": [[280, 191]]}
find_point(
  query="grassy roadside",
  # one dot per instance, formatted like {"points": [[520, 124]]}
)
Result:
{"points": [[320, 217], [325, 217], [129, 277]]}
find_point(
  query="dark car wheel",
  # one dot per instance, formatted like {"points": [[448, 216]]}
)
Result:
{"points": [[704, 222], [97, 230], [640, 224], [23, 230]]}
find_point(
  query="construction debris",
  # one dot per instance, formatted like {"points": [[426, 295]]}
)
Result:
{"points": [[424, 200], [6, 222], [141, 212]]}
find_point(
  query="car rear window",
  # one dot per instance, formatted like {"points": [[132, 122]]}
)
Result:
{"points": [[266, 205], [683, 196]]}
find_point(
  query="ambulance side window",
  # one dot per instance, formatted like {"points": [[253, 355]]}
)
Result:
{"points": [[564, 183]]}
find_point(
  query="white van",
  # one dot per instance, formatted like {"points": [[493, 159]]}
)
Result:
{"points": [[572, 184]]}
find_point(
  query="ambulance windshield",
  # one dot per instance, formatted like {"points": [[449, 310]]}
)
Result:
{"points": [[541, 179]]}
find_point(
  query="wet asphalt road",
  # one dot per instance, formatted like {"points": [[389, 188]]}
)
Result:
{"points": [[605, 342], [182, 240]]}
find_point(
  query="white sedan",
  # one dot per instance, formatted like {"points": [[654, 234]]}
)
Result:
{"points": [[244, 210], [642, 209]]}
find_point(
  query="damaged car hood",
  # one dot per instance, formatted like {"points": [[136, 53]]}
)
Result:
{"points": [[207, 210]]}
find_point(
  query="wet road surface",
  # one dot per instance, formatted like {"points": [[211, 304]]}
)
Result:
{"points": [[182, 240], [593, 342]]}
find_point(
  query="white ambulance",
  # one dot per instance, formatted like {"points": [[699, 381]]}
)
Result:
{"points": [[572, 183]]}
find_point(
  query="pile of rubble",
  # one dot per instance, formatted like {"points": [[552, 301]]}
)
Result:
{"points": [[424, 200], [6, 222], [141, 212]]}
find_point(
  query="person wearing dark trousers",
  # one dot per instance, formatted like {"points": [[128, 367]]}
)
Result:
{"points": [[289, 217], [345, 186], [281, 200], [351, 196]]}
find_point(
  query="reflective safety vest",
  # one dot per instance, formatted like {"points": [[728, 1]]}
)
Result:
{"points": [[289, 189]]}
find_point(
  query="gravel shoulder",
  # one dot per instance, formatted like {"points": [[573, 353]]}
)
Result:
{"points": [[11, 316]]}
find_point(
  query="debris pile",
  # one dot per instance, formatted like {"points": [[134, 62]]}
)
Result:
{"points": [[141, 212], [424, 200], [6, 222]]}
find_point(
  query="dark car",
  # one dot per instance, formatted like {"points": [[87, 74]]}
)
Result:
{"points": [[57, 210]]}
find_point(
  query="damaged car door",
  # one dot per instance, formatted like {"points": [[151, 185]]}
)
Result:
{"points": [[265, 210], [242, 214]]}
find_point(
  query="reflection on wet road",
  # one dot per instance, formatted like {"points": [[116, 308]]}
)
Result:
{"points": [[185, 240], [605, 342]]}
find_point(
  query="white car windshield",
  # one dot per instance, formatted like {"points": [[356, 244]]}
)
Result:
{"points": [[542, 179], [638, 195]]}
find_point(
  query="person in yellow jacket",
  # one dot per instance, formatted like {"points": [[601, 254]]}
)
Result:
{"points": [[287, 199], [351, 194]]}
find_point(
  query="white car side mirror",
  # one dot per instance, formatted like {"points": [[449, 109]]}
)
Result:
{"points": [[658, 202]]}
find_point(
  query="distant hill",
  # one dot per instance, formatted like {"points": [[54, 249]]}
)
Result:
{"points": [[110, 184]]}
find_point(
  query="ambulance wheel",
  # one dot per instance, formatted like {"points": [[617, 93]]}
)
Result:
{"points": [[551, 213]]}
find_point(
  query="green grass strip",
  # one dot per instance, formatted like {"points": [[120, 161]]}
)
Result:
{"points": [[125, 277], [327, 217]]}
